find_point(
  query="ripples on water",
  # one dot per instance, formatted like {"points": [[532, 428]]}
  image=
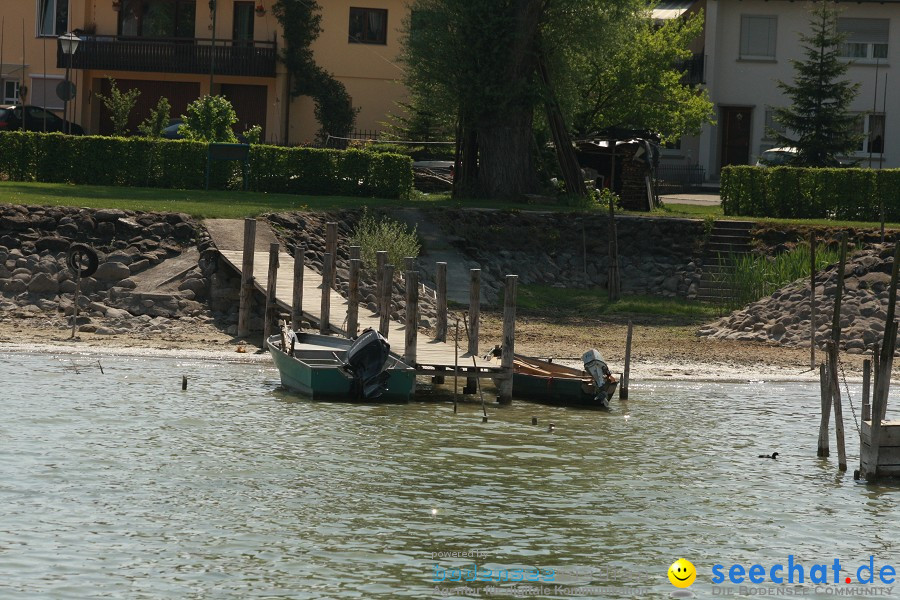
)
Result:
{"points": [[120, 485]]}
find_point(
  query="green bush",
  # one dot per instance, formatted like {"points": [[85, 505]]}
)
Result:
{"points": [[810, 193], [145, 162], [373, 235], [209, 119]]}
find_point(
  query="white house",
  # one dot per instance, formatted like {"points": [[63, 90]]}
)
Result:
{"points": [[748, 46]]}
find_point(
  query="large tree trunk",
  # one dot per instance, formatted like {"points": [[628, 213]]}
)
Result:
{"points": [[507, 166], [504, 132]]}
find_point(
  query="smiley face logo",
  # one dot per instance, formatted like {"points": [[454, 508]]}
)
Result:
{"points": [[682, 573]]}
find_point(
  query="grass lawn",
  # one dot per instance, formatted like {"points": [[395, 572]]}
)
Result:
{"points": [[593, 302], [222, 204]]}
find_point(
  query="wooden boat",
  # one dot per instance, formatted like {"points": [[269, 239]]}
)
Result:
{"points": [[551, 383], [328, 368]]}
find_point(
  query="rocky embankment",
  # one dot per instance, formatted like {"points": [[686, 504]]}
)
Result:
{"points": [[784, 317], [121, 296]]}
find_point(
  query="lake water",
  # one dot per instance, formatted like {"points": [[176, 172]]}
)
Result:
{"points": [[120, 485]]}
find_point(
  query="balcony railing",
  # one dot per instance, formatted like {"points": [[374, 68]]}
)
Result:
{"points": [[172, 55], [693, 68]]}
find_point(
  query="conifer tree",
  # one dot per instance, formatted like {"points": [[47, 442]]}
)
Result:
{"points": [[819, 123]]}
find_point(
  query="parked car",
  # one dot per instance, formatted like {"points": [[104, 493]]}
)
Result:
{"points": [[33, 118], [783, 157], [171, 132], [777, 157]]}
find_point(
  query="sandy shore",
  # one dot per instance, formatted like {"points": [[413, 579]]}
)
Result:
{"points": [[659, 352]]}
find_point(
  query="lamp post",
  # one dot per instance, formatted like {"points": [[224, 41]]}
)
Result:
{"points": [[69, 44], [212, 57]]}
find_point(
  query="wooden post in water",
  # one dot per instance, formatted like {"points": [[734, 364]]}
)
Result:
{"points": [[381, 258], [353, 297], [455, 365], [331, 231], [825, 390], [247, 278], [623, 386], [297, 304], [327, 265], [509, 338], [271, 309], [474, 319], [812, 300], [412, 318], [867, 376], [838, 294], [441, 277], [835, 386], [384, 304]]}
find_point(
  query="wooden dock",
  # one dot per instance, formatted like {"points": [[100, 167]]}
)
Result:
{"points": [[432, 357]]}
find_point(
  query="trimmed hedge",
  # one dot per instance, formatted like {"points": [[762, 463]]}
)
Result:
{"points": [[808, 193], [181, 164]]}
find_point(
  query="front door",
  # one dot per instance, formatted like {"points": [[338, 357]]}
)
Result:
{"points": [[242, 31], [736, 121]]}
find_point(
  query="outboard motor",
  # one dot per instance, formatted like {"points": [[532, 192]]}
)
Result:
{"points": [[366, 359], [596, 366]]}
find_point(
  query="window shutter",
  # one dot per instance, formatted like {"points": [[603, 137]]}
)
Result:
{"points": [[758, 36], [43, 93], [873, 31]]}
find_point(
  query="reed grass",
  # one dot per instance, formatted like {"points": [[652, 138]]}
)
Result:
{"points": [[749, 277]]}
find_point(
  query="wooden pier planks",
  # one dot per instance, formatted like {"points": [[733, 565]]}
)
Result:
{"points": [[432, 356]]}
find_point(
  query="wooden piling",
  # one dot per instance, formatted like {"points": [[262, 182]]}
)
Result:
{"points": [[331, 235], [474, 319], [441, 276], [412, 318], [325, 321], [455, 365], [297, 304], [247, 278], [623, 386], [355, 252], [271, 307], [384, 304], [183, 382], [835, 386], [353, 297], [867, 375], [812, 300], [409, 263], [75, 303], [381, 258], [825, 389], [509, 338], [838, 294]]}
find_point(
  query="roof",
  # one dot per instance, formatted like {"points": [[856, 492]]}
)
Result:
{"points": [[671, 9]]}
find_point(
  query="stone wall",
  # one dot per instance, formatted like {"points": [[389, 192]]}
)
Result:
{"points": [[657, 256]]}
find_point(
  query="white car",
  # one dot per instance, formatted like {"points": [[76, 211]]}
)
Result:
{"points": [[777, 157]]}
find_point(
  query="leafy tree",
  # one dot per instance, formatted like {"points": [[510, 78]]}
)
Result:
{"points": [[254, 134], [301, 21], [492, 64], [819, 116], [158, 120], [119, 104], [632, 80], [209, 119]]}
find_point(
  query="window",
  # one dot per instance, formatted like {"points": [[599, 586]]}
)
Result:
{"points": [[157, 18], [10, 92], [758, 37], [772, 126], [52, 17], [368, 26], [872, 128], [864, 39], [43, 91]]}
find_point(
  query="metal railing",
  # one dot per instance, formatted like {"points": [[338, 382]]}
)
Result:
{"points": [[172, 55], [694, 69], [678, 178]]}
